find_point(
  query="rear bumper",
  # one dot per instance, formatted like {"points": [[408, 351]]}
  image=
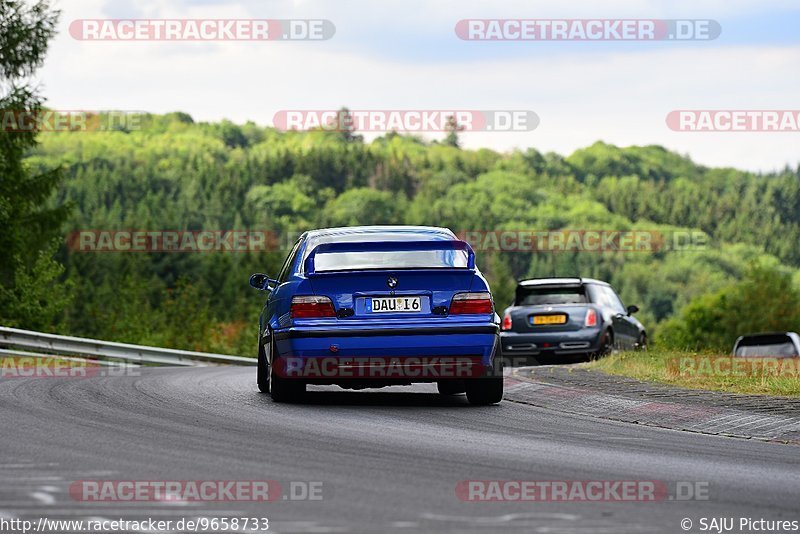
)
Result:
{"points": [[550, 343], [324, 355], [366, 331]]}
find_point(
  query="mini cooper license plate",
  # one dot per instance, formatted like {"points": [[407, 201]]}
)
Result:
{"points": [[549, 319]]}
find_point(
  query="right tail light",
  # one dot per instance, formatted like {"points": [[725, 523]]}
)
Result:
{"points": [[480, 302]]}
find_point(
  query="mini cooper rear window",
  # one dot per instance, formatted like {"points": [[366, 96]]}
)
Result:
{"points": [[550, 295]]}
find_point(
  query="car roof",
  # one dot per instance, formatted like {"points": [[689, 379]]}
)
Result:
{"points": [[768, 334], [532, 282]]}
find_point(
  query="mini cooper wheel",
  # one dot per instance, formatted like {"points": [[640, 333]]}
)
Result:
{"points": [[606, 346]]}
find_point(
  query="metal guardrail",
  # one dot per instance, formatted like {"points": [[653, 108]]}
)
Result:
{"points": [[95, 348], [6, 353]]}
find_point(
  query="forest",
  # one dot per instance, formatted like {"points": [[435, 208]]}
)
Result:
{"points": [[174, 174]]}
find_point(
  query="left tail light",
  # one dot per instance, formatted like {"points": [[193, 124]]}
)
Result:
{"points": [[591, 318], [479, 302], [506, 322], [312, 306]]}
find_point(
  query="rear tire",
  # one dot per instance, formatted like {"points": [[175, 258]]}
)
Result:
{"points": [[606, 346], [484, 391], [263, 371], [284, 389]]}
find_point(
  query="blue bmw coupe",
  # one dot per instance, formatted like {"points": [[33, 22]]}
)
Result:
{"points": [[374, 306]]}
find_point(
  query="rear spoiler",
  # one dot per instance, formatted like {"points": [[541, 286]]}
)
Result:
{"points": [[552, 281], [389, 246]]}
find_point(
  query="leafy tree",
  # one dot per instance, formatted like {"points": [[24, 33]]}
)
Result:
{"points": [[35, 298], [187, 317], [284, 205], [766, 300], [29, 292], [232, 135], [364, 207]]}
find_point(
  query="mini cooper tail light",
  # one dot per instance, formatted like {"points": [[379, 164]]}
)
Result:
{"points": [[591, 318], [506, 322], [312, 306], [480, 302]]}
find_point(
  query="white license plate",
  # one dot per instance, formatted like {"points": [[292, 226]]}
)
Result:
{"points": [[394, 304]]}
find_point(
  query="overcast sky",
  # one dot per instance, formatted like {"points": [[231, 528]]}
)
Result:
{"points": [[406, 55]]}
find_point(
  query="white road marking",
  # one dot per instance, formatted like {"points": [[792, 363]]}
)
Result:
{"points": [[43, 498], [505, 518], [305, 526], [31, 479], [172, 501], [594, 434]]}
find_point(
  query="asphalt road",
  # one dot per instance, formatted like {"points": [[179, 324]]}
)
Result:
{"points": [[388, 460]]}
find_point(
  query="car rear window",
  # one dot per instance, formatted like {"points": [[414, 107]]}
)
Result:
{"points": [[537, 296], [417, 259], [780, 346]]}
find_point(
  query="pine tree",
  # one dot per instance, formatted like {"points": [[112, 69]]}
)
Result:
{"points": [[452, 128], [28, 294]]}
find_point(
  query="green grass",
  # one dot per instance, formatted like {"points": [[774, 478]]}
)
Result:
{"points": [[665, 366]]}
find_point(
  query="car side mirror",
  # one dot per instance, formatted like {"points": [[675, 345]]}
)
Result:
{"points": [[632, 309], [262, 282]]}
